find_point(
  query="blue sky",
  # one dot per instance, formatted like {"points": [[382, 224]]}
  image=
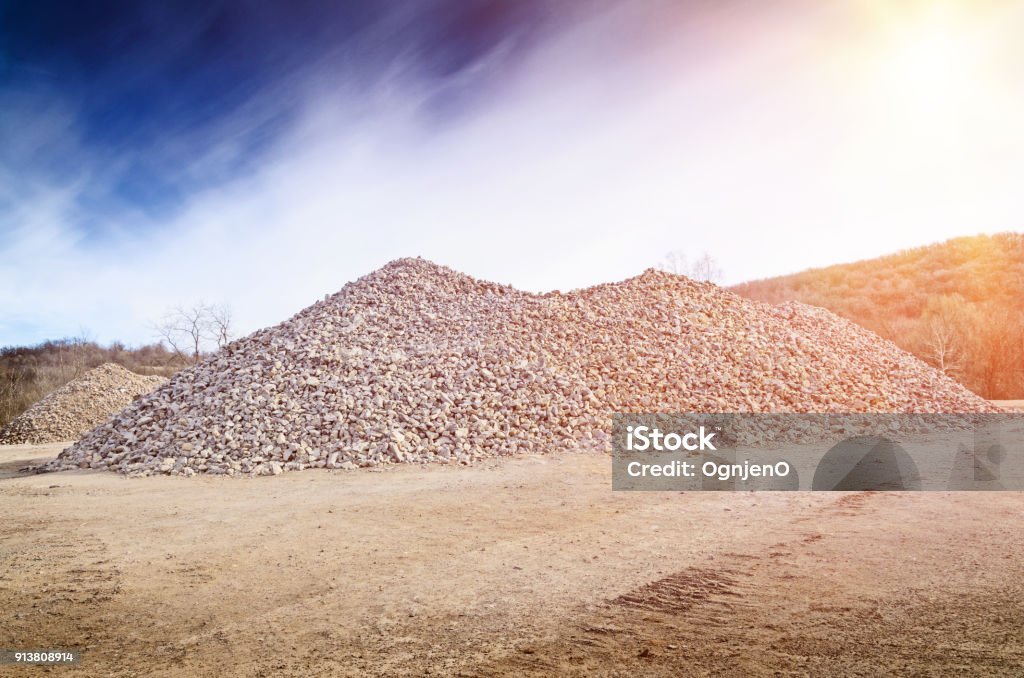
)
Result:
{"points": [[149, 103], [262, 154]]}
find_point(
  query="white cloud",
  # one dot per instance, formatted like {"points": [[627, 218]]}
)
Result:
{"points": [[616, 141]]}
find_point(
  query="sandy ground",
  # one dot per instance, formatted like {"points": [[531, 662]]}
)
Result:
{"points": [[529, 566]]}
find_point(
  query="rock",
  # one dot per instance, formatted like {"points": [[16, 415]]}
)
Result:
{"points": [[417, 363], [79, 405]]}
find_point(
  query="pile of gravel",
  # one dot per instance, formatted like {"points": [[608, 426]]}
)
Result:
{"points": [[418, 363], [78, 406]]}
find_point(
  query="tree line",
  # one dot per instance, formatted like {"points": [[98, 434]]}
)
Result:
{"points": [[957, 305]]}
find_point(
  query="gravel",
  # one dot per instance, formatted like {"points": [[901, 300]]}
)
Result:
{"points": [[418, 363], [78, 406]]}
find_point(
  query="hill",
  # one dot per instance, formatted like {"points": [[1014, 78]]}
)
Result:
{"points": [[958, 305]]}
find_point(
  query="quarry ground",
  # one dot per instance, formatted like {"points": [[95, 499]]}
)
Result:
{"points": [[526, 566]]}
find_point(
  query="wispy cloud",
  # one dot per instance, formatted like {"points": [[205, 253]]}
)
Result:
{"points": [[754, 135]]}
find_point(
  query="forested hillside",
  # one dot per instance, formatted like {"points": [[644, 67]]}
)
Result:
{"points": [[959, 305]]}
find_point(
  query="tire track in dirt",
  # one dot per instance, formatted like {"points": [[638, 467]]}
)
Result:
{"points": [[761, 613], [682, 591]]}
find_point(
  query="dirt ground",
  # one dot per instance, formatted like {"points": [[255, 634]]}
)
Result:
{"points": [[528, 566]]}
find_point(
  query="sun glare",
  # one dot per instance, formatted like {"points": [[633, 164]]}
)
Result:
{"points": [[926, 79], [931, 60], [926, 100]]}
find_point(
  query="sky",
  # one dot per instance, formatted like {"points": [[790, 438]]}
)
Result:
{"points": [[260, 155]]}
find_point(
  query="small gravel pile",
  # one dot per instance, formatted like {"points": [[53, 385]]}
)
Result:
{"points": [[418, 363], [78, 406]]}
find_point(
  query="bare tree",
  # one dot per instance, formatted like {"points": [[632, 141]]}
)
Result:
{"points": [[674, 262], [191, 331], [996, 360], [72, 355], [1019, 386], [943, 346], [945, 333], [11, 394], [220, 325], [704, 268], [184, 330], [80, 351]]}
